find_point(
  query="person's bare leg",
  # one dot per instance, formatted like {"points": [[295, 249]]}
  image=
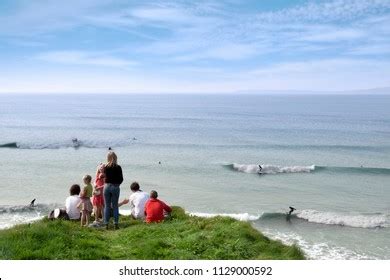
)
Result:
{"points": [[82, 218], [96, 213]]}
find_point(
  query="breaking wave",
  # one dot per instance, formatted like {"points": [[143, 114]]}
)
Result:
{"points": [[377, 220], [276, 169], [22, 214], [240, 217], [350, 220], [270, 169], [65, 144], [8, 209]]}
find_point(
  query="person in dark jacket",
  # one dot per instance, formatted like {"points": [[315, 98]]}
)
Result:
{"points": [[113, 179]]}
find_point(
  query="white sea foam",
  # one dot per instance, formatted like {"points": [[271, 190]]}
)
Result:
{"points": [[21, 214], [351, 220], [316, 251], [272, 169], [18, 219], [240, 217], [11, 219]]}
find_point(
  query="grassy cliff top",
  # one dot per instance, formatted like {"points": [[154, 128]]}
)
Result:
{"points": [[181, 237]]}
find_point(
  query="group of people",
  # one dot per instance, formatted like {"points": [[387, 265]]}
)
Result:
{"points": [[103, 198]]}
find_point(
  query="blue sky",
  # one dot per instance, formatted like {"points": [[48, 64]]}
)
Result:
{"points": [[103, 46]]}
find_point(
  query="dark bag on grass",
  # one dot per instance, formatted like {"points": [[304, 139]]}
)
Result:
{"points": [[58, 214]]}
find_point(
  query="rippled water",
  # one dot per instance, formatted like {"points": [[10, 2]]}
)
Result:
{"points": [[328, 156]]}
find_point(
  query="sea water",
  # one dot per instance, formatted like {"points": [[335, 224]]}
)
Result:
{"points": [[326, 155]]}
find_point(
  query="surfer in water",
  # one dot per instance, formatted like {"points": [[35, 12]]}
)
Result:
{"points": [[292, 209], [76, 142], [260, 170], [32, 203]]}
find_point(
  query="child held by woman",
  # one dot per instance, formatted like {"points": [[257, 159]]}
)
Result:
{"points": [[98, 198], [85, 205]]}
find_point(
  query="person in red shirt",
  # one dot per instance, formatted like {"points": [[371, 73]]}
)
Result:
{"points": [[154, 209]]}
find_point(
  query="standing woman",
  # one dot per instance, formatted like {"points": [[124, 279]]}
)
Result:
{"points": [[113, 178]]}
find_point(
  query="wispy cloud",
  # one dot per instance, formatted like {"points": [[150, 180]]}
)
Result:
{"points": [[332, 34], [211, 42], [327, 11], [32, 18], [161, 15], [83, 58], [376, 49]]}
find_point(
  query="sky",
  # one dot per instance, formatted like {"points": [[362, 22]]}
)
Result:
{"points": [[115, 46]]}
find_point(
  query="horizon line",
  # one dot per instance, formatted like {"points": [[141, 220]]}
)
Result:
{"points": [[366, 91]]}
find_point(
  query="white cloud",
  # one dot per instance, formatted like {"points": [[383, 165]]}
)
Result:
{"points": [[375, 49], [178, 38], [226, 52], [298, 29], [327, 11], [42, 17], [333, 34], [83, 58], [165, 15]]}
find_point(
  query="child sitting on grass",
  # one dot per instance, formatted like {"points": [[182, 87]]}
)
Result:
{"points": [[85, 205], [137, 201], [72, 202], [155, 209]]}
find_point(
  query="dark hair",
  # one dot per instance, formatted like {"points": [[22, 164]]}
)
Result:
{"points": [[74, 189], [153, 194], [134, 186]]}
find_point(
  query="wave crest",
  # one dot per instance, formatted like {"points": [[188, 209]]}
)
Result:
{"points": [[18, 209], [271, 169], [276, 169], [350, 220], [240, 217], [379, 220]]}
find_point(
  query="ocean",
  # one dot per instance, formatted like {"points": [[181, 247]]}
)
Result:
{"points": [[328, 156]]}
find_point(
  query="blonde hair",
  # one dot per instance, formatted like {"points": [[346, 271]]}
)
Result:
{"points": [[87, 179], [112, 159]]}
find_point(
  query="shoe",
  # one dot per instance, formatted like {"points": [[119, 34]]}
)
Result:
{"points": [[106, 226], [116, 226]]}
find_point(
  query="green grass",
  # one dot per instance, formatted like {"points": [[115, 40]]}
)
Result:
{"points": [[181, 237]]}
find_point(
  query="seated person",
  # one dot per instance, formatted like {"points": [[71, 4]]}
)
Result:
{"points": [[154, 208], [72, 201], [137, 201]]}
